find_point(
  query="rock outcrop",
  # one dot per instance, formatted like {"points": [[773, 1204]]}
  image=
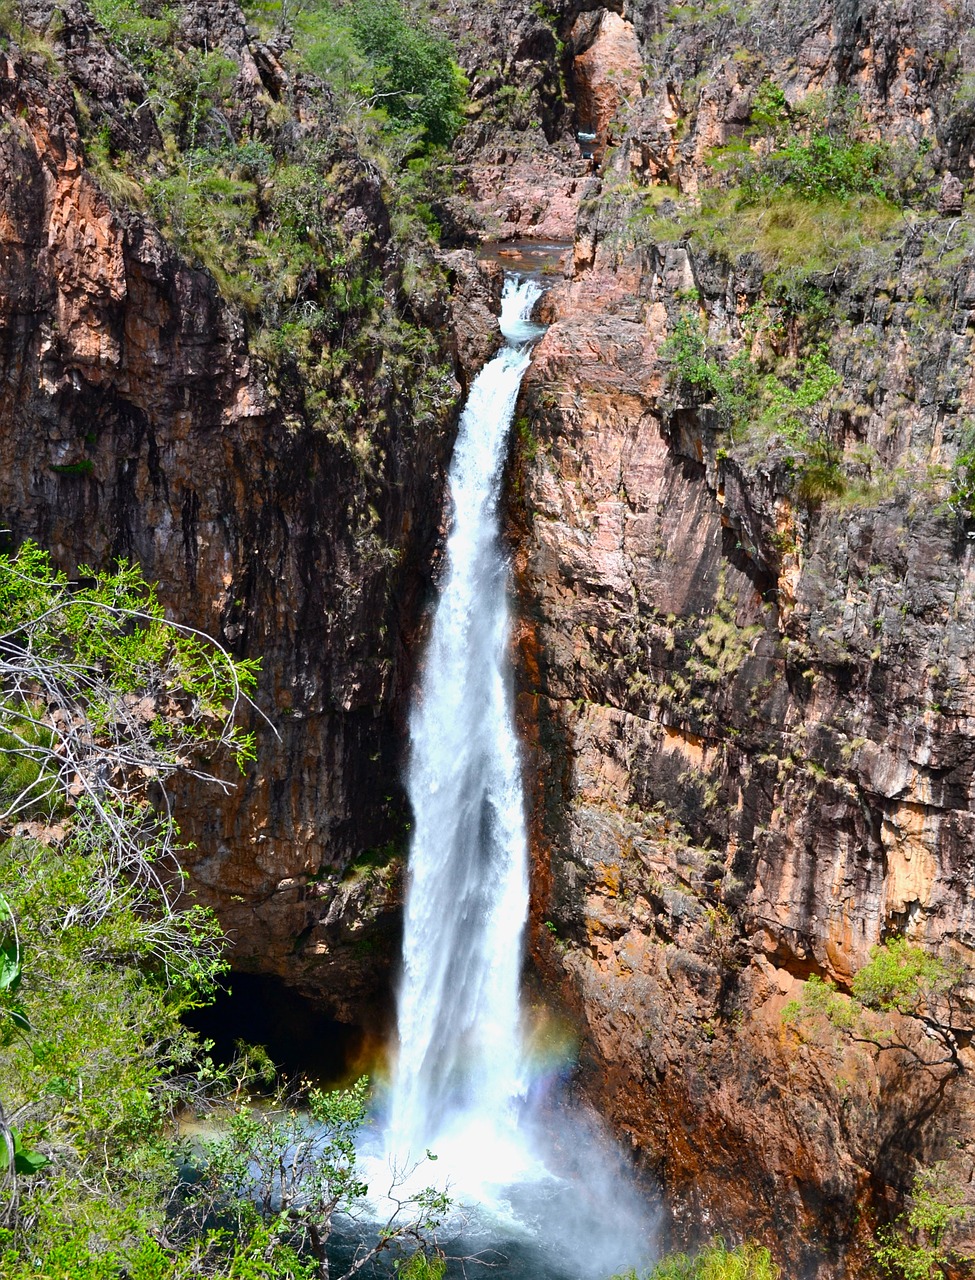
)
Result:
{"points": [[747, 699]]}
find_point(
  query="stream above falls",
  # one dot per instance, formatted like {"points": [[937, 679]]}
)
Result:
{"points": [[538, 260]]}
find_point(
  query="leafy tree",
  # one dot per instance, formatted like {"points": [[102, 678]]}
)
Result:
{"points": [[299, 1167], [915, 1247], [899, 978], [414, 76], [380, 52], [102, 700]]}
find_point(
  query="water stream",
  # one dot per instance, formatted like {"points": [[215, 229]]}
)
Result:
{"points": [[542, 1187], [461, 1060]]}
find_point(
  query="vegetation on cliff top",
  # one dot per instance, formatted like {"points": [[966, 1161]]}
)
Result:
{"points": [[309, 196], [810, 213], [101, 701]]}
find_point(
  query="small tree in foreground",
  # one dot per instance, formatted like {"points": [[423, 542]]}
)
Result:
{"points": [[102, 701], [914, 1246], [297, 1170]]}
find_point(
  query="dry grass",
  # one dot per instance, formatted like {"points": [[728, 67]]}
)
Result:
{"points": [[784, 233]]}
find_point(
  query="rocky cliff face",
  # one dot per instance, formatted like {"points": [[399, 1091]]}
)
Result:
{"points": [[747, 693], [138, 421], [745, 641]]}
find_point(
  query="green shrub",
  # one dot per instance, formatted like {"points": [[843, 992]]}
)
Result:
{"points": [[819, 168], [327, 46], [769, 110], [914, 1246], [900, 977], [961, 493], [789, 405], [28, 784], [83, 467], [414, 76], [101, 954], [716, 1261], [142, 33]]}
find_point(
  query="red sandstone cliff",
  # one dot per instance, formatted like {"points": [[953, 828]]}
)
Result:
{"points": [[750, 709], [749, 715]]}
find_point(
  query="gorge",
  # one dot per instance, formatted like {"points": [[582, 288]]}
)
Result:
{"points": [[738, 506]]}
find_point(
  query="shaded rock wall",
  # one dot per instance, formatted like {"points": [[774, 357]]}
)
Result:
{"points": [[135, 421]]}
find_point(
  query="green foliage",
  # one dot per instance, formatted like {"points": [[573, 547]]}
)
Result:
{"points": [[84, 467], [914, 1247], [299, 1168], [328, 47], [422, 1266], [794, 239], [716, 1261], [110, 637], [721, 647], [686, 349], [817, 168], [899, 978], [413, 72], [263, 1254], [807, 192], [259, 200], [141, 33], [770, 112], [791, 406], [381, 54], [905, 978], [818, 151], [25, 779], [98, 962], [26, 1163], [961, 496], [820, 999], [275, 1158]]}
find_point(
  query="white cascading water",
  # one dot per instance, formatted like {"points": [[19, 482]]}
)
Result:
{"points": [[540, 1187], [460, 1073]]}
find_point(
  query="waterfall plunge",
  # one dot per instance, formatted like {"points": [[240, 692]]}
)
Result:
{"points": [[461, 1071], [542, 1188]]}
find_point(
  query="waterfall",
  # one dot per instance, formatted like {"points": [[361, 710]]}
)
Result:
{"points": [[540, 1187], [461, 1066]]}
